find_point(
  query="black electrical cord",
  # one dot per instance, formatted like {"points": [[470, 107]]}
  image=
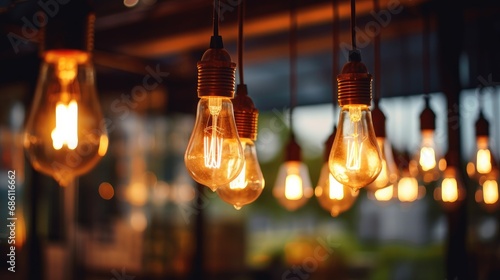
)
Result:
{"points": [[216, 40], [335, 49], [293, 60], [241, 16], [376, 47], [353, 24], [426, 54]]}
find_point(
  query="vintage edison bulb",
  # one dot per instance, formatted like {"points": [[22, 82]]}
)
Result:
{"points": [[487, 193], [249, 184], [427, 157], [293, 188], [389, 173], [451, 192], [408, 190], [332, 195], [483, 162], [355, 158], [65, 135], [214, 156]]}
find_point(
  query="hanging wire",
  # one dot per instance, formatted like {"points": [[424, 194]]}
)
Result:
{"points": [[376, 47], [335, 50], [241, 16], [353, 24], [426, 54], [293, 60], [216, 17]]}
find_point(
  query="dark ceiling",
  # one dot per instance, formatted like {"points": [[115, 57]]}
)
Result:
{"points": [[173, 34]]}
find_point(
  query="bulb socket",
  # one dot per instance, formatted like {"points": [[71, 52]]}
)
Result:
{"points": [[378, 119], [427, 117], [245, 114], [216, 74], [293, 151], [482, 125], [354, 84]]}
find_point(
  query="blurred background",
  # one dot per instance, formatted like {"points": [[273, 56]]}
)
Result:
{"points": [[139, 215]]}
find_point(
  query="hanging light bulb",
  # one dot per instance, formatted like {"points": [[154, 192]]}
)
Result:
{"points": [[408, 189], [65, 134], [389, 174], [293, 188], [451, 191], [214, 155], [249, 184], [332, 195], [483, 162], [487, 193], [355, 158], [427, 157]]}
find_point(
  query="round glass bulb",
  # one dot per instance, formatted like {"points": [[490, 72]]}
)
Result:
{"points": [[355, 159], [249, 184], [293, 188], [65, 135], [332, 195], [214, 156]]}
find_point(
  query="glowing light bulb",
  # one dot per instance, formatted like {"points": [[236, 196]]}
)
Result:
{"points": [[332, 195], [65, 135], [490, 192], [427, 157], [483, 162], [389, 173], [249, 184], [451, 191], [407, 189], [293, 185], [214, 156], [384, 194], [355, 156]]}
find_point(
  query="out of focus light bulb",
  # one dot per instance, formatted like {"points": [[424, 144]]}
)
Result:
{"points": [[451, 191], [293, 188], [65, 135], [483, 162], [332, 195], [487, 193], [214, 156], [427, 157], [249, 184], [389, 173], [355, 159]]}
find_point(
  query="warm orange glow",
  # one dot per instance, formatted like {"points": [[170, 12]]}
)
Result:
{"points": [[137, 194], [336, 188], [66, 130], [483, 161], [106, 191], [293, 187], [103, 145], [408, 189], [449, 190], [384, 194], [490, 192]]}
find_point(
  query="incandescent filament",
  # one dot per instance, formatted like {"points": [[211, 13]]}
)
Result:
{"points": [[66, 111], [213, 140], [354, 144]]}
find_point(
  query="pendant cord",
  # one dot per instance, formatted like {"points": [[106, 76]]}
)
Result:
{"points": [[293, 61], [216, 17], [335, 51], [353, 24], [426, 53], [376, 47], [241, 16]]}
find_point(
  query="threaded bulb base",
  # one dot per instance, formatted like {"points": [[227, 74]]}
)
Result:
{"points": [[216, 74]]}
